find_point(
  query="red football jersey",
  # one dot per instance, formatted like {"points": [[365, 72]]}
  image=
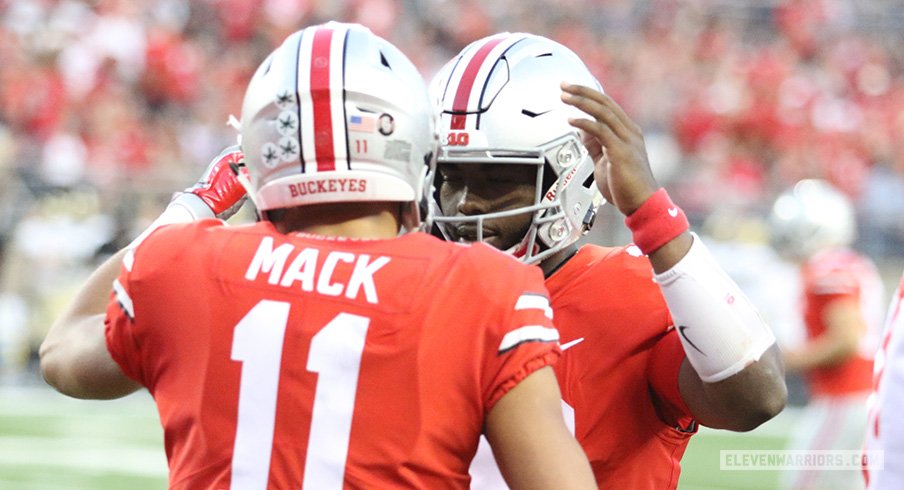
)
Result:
{"points": [[619, 368], [830, 276], [282, 361]]}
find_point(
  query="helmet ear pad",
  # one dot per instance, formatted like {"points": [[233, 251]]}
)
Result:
{"points": [[337, 114], [499, 101]]}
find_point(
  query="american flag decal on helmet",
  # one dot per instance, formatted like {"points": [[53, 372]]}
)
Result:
{"points": [[321, 98], [469, 78]]}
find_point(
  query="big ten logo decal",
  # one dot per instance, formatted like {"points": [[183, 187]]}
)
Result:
{"points": [[457, 139]]}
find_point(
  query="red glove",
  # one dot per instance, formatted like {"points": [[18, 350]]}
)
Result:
{"points": [[218, 187], [218, 193]]}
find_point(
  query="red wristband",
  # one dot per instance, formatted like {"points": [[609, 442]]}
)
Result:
{"points": [[656, 222]]}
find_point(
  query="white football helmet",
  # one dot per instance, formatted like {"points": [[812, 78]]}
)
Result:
{"points": [[810, 217], [499, 102], [338, 114]]}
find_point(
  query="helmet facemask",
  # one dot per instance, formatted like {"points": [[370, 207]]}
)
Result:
{"points": [[558, 188], [499, 103]]}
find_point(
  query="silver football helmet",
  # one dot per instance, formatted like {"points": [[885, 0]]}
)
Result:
{"points": [[338, 114], [810, 217], [499, 102]]}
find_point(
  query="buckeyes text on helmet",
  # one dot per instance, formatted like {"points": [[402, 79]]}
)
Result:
{"points": [[337, 114]]}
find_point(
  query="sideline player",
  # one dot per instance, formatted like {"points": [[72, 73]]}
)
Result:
{"points": [[885, 430], [813, 225], [515, 172], [317, 348]]}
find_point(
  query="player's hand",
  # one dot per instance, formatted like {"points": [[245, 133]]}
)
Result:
{"points": [[622, 170], [218, 187]]}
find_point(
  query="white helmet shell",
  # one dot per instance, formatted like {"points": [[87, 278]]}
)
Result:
{"points": [[810, 217], [336, 114], [499, 102]]}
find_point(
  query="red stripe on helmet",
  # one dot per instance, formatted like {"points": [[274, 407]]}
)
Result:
{"points": [[320, 98], [460, 104]]}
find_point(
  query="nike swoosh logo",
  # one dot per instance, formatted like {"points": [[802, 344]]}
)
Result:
{"points": [[533, 114], [673, 212], [568, 345], [681, 329]]}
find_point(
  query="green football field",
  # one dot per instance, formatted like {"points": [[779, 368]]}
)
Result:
{"points": [[51, 442]]}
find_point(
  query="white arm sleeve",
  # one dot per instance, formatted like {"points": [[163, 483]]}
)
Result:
{"points": [[720, 330]]}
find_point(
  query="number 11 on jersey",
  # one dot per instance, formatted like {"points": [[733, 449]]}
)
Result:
{"points": [[334, 354]]}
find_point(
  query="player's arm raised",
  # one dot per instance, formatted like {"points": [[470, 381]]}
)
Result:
{"points": [[733, 377], [74, 356]]}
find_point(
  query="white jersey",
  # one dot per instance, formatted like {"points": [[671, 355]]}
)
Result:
{"points": [[885, 431]]}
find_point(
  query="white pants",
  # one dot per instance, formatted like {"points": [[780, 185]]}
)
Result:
{"points": [[828, 423]]}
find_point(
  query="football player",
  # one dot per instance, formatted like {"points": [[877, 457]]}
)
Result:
{"points": [[884, 430], [813, 225], [319, 347], [656, 338]]}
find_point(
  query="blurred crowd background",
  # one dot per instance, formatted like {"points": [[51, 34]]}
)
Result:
{"points": [[107, 107]]}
